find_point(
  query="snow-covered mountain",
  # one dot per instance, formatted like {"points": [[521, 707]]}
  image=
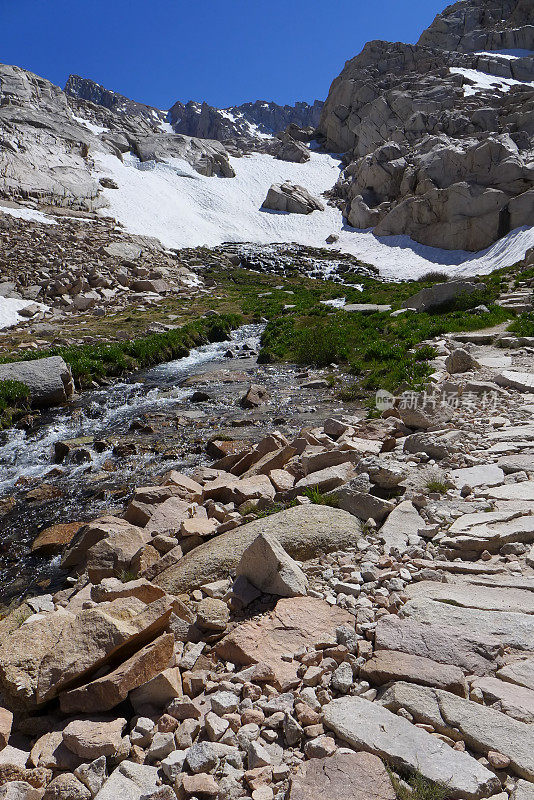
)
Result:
{"points": [[421, 155]]}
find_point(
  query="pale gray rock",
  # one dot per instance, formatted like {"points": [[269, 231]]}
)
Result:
{"points": [[267, 566], [370, 727], [524, 790], [519, 672], [481, 475], [522, 381], [436, 444], [440, 294], [292, 199], [482, 728], [19, 790], [516, 701], [476, 653], [49, 379], [403, 522], [129, 781], [513, 629]]}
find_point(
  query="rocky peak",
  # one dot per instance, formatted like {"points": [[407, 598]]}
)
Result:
{"points": [[247, 122], [86, 89], [267, 117], [482, 25]]}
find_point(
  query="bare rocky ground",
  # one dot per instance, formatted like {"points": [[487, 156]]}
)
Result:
{"points": [[206, 647]]}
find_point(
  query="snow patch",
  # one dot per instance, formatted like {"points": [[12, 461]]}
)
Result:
{"points": [[166, 127], [185, 209], [9, 308], [482, 82], [509, 54], [96, 129], [29, 214]]}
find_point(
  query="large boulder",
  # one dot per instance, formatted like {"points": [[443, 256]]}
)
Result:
{"points": [[292, 199], [267, 566], [441, 294], [48, 379], [291, 150], [54, 651], [303, 531]]}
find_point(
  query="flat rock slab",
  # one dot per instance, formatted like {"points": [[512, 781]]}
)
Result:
{"points": [[347, 776], [487, 534], [481, 728], [459, 567], [303, 532], [294, 623], [471, 595], [514, 491], [365, 307], [520, 672], [495, 362], [392, 665], [522, 381], [481, 475], [516, 701], [370, 727], [517, 463], [512, 629], [470, 650], [523, 791]]}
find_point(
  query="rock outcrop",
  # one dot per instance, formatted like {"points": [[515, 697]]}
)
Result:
{"points": [[438, 135], [247, 123], [62, 135]]}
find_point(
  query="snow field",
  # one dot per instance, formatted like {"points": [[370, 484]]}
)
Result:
{"points": [[184, 209]]}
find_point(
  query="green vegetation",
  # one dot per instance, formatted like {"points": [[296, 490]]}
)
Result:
{"points": [[523, 325], [418, 788], [90, 362], [14, 402], [436, 485], [320, 499], [382, 350]]}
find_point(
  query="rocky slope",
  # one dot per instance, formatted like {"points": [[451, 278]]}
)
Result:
{"points": [[193, 655], [49, 142], [438, 136]]}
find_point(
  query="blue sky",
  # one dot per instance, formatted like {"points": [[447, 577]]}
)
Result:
{"points": [[223, 51]]}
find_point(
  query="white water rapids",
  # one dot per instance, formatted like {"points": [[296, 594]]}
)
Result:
{"points": [[103, 411]]}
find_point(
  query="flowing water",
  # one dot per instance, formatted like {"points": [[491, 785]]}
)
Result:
{"points": [[27, 458]]}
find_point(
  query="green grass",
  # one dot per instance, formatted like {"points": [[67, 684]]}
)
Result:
{"points": [[523, 325], [14, 402], [383, 351], [419, 788], [91, 362], [436, 485], [320, 499]]}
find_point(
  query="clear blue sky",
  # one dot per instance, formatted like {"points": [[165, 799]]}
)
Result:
{"points": [[223, 51]]}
